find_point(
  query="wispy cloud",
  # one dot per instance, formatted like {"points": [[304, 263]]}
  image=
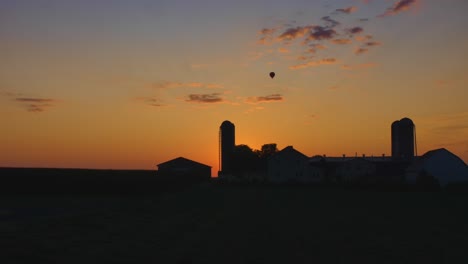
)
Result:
{"points": [[266, 36], [373, 43], [365, 47], [36, 104], [341, 41], [205, 98], [321, 33], [359, 51], [330, 22], [399, 6], [272, 97], [294, 32], [354, 30], [326, 61], [363, 38], [10, 93], [151, 101], [347, 10], [267, 98]]}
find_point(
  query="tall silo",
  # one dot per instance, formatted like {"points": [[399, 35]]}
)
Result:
{"points": [[226, 146], [395, 141], [403, 139]]}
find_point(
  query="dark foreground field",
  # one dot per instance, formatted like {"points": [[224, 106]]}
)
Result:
{"points": [[212, 223]]}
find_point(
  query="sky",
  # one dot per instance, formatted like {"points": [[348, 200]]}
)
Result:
{"points": [[131, 84]]}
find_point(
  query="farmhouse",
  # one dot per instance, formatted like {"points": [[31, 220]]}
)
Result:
{"points": [[184, 169]]}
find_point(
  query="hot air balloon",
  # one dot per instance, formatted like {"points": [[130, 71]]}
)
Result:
{"points": [[272, 75]]}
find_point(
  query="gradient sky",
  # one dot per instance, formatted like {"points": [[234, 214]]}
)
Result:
{"points": [[130, 84]]}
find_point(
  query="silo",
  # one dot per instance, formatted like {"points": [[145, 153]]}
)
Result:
{"points": [[226, 146], [395, 141], [403, 139]]}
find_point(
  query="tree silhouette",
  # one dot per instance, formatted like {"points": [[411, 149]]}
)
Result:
{"points": [[244, 159], [268, 150], [264, 154]]}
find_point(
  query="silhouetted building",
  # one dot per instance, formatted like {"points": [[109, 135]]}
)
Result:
{"points": [[356, 170], [184, 169], [439, 165], [226, 146], [287, 165], [403, 139]]}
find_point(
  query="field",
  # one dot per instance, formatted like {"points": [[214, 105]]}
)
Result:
{"points": [[215, 223]]}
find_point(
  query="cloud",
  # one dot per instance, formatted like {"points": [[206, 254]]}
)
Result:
{"points": [[329, 22], [283, 50], [266, 35], [267, 98], [204, 98], [363, 38], [34, 100], [256, 55], [151, 101], [327, 61], [317, 46], [359, 51], [294, 32], [321, 33], [36, 104], [10, 94], [372, 43], [347, 10], [267, 31], [365, 47], [399, 6], [341, 41], [354, 30]]}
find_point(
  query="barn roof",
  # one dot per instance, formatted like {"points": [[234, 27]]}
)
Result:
{"points": [[182, 160]]}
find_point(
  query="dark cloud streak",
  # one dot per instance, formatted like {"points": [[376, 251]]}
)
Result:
{"points": [[347, 10], [36, 104], [398, 7], [204, 98]]}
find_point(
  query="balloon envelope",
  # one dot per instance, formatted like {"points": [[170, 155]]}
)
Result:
{"points": [[272, 74]]}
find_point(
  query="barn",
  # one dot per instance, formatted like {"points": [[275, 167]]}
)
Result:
{"points": [[440, 165], [184, 169], [287, 165]]}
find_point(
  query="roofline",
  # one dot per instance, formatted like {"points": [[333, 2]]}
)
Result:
{"points": [[184, 159]]}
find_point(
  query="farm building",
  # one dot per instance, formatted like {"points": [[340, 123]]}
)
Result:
{"points": [[440, 165], [287, 165], [184, 169]]}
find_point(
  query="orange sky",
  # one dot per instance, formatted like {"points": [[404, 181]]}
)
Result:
{"points": [[131, 85]]}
